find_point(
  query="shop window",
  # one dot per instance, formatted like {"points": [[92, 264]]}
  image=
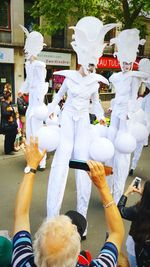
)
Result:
{"points": [[29, 21], [58, 39], [5, 15]]}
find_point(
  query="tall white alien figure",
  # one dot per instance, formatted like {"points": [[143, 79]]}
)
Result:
{"points": [[81, 87], [34, 85], [126, 84]]}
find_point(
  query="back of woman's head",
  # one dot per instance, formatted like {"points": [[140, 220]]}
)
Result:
{"points": [[57, 243], [145, 200], [7, 95], [142, 223]]}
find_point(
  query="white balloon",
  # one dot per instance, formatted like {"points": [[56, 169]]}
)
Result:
{"points": [[48, 137], [139, 116], [101, 149], [41, 112], [139, 131], [125, 143]]}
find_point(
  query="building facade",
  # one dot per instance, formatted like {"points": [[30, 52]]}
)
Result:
{"points": [[57, 55], [12, 14]]}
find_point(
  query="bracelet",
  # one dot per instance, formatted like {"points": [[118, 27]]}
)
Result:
{"points": [[109, 204]]}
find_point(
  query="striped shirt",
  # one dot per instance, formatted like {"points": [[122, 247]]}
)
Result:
{"points": [[107, 258], [23, 253], [22, 250]]}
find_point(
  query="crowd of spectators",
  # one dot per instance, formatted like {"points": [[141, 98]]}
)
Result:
{"points": [[12, 124], [57, 242]]}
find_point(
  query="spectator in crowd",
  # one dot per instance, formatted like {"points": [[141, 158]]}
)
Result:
{"points": [[57, 242], [18, 140], [7, 88], [22, 104], [139, 234], [5, 249], [8, 123], [123, 260]]}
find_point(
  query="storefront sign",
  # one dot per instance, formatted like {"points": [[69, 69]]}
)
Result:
{"points": [[6, 55], [111, 63], [55, 59]]}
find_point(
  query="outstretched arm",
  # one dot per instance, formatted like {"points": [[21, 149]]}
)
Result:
{"points": [[24, 195], [129, 213], [113, 218]]}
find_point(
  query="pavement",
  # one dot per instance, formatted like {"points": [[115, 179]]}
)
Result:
{"points": [[2, 155], [11, 173]]}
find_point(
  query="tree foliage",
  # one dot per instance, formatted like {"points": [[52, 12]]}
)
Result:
{"points": [[58, 13]]}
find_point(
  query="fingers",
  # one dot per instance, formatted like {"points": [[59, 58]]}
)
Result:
{"points": [[31, 141], [43, 152], [36, 142], [96, 166]]}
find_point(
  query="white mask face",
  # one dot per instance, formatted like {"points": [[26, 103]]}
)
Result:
{"points": [[91, 68], [126, 66]]}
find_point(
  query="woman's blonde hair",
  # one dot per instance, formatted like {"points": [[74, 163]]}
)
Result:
{"points": [[122, 260], [57, 243]]}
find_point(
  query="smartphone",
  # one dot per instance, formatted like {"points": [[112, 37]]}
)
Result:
{"points": [[79, 164], [82, 165], [137, 182]]}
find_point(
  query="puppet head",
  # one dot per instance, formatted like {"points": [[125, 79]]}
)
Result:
{"points": [[88, 43], [127, 43], [33, 44]]}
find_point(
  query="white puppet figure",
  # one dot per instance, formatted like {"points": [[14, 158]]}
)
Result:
{"points": [[126, 84], [142, 113], [35, 85], [80, 86]]}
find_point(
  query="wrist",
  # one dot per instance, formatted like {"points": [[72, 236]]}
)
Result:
{"points": [[29, 169], [32, 165], [126, 194]]}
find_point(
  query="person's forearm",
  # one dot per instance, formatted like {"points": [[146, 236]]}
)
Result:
{"points": [[24, 196], [112, 214]]}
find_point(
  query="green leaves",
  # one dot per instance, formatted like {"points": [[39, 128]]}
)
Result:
{"points": [[56, 14]]}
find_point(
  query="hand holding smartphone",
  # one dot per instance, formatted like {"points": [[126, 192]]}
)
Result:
{"points": [[82, 165]]}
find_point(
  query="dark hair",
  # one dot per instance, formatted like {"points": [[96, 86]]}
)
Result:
{"points": [[7, 94], [142, 223]]}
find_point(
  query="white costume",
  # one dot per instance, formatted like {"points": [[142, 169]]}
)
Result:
{"points": [[144, 104], [146, 108], [75, 123], [126, 85], [35, 85]]}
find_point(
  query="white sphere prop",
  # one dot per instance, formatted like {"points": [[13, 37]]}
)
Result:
{"points": [[41, 112], [139, 116], [101, 149], [125, 143], [139, 131], [48, 137]]}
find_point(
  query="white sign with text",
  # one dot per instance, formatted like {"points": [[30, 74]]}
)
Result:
{"points": [[55, 59]]}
